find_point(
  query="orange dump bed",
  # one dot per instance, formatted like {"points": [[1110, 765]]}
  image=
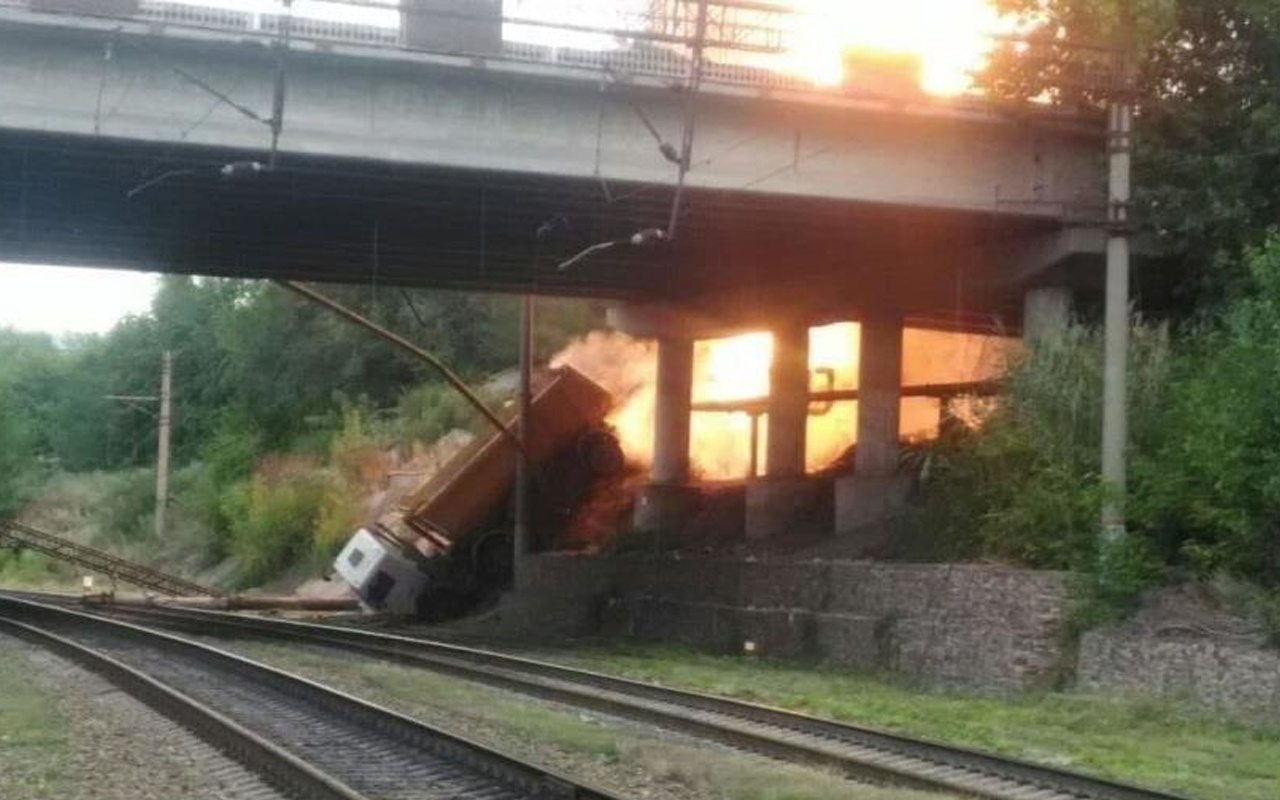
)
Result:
{"points": [[463, 493]]}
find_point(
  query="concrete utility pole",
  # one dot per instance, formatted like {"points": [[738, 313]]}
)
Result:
{"points": [[1115, 370], [162, 450], [165, 423], [523, 517]]}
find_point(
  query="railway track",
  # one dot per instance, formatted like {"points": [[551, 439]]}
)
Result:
{"points": [[305, 739], [852, 750]]}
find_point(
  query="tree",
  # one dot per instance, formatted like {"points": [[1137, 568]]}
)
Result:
{"points": [[1207, 154], [26, 374]]}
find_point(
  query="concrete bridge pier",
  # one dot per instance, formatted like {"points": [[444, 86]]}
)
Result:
{"points": [[864, 500], [667, 500], [784, 499]]}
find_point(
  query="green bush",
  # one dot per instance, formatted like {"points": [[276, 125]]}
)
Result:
{"points": [[1025, 486], [15, 454], [25, 568], [271, 523], [127, 505], [1248, 600], [1204, 459], [226, 460], [1211, 490], [431, 410]]}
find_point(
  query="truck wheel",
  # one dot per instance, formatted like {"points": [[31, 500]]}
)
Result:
{"points": [[600, 451], [492, 559]]}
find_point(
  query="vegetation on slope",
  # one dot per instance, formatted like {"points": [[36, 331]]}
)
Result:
{"points": [[1203, 491], [280, 408], [1204, 453]]}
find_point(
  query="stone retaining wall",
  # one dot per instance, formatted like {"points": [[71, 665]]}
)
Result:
{"points": [[971, 627], [977, 628], [1183, 646], [1240, 679]]}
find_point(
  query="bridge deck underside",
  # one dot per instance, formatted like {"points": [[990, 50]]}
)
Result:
{"points": [[66, 200]]}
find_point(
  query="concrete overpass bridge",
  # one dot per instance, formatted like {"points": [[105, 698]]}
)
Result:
{"points": [[127, 141]]}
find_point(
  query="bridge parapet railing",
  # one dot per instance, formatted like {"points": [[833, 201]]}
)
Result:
{"points": [[746, 43]]}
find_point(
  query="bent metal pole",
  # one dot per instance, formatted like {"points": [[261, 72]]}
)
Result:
{"points": [[404, 344]]}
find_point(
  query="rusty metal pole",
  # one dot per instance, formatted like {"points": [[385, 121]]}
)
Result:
{"points": [[523, 513], [404, 344]]}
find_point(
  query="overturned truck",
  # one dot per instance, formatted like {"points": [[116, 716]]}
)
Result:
{"points": [[448, 543]]}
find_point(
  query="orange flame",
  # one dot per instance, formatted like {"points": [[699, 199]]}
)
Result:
{"points": [[737, 368]]}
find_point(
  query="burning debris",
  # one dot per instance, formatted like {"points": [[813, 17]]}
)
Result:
{"points": [[732, 374], [441, 546]]}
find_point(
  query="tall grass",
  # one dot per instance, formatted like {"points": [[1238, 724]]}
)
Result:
{"points": [[1023, 485], [1204, 457]]}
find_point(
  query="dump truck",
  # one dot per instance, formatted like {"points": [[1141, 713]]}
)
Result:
{"points": [[448, 543]]}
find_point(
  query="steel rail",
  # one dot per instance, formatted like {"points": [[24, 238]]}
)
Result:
{"points": [[437, 763], [858, 751], [279, 768]]}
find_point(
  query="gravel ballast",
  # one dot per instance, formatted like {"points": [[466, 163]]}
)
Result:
{"points": [[98, 743]]}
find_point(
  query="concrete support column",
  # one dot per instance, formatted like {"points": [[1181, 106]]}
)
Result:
{"points": [[785, 502], [879, 396], [866, 500], [673, 397], [788, 401], [667, 501], [1046, 313]]}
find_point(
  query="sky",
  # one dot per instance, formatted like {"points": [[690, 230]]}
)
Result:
{"points": [[61, 300]]}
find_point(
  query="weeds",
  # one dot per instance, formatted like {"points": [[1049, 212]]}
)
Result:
{"points": [[1204, 460], [33, 733]]}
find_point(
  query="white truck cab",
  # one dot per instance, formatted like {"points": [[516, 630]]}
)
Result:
{"points": [[385, 578]]}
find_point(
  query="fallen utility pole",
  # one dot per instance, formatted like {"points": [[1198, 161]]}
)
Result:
{"points": [[404, 344], [17, 536]]}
